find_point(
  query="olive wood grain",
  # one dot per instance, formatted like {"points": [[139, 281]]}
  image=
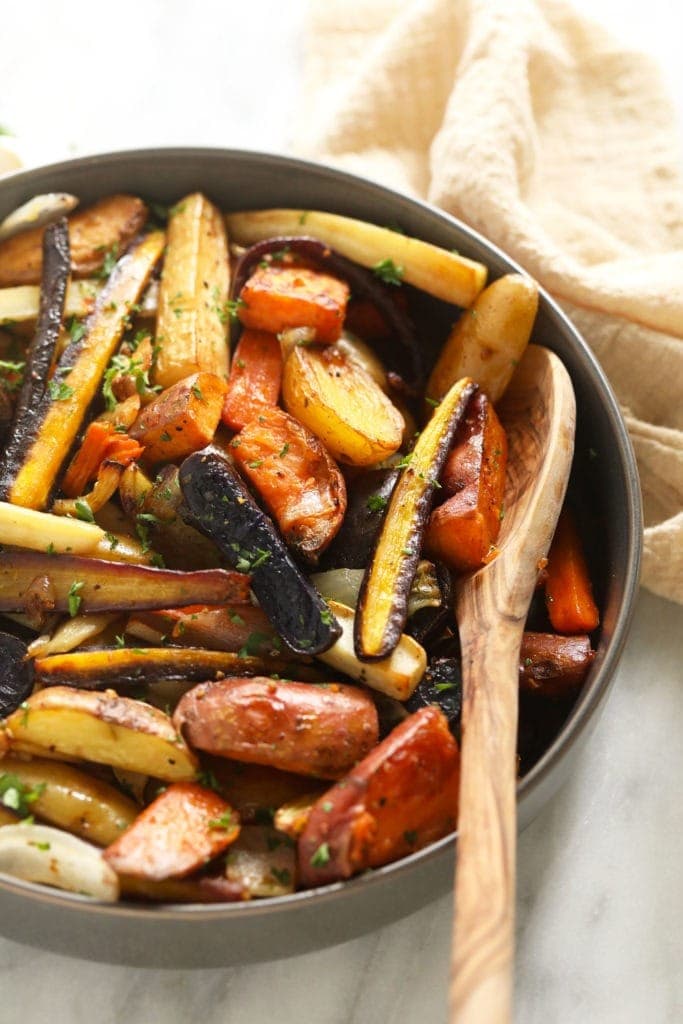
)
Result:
{"points": [[538, 412]]}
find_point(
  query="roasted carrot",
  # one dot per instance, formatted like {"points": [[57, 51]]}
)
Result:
{"points": [[463, 529], [277, 297], [182, 419], [295, 476], [178, 833], [87, 460], [255, 378], [568, 590]]}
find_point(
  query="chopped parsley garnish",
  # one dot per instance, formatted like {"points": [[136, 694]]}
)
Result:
{"points": [[126, 366], [326, 617], [197, 392], [10, 370], [208, 779], [112, 540], [225, 821], [254, 644], [321, 857], [255, 463], [17, 796], [83, 511], [59, 391], [442, 687], [109, 262], [74, 598], [388, 271], [281, 875], [405, 461], [50, 549], [283, 451], [76, 329], [432, 401], [143, 521], [236, 618], [376, 503]]}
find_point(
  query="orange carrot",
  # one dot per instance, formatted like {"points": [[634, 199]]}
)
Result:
{"points": [[182, 419], [87, 460], [568, 591], [178, 833], [255, 378], [276, 298]]}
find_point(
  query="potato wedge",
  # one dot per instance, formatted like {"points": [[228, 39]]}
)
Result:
{"points": [[107, 226], [186, 826], [342, 405], [39, 853], [437, 271], [104, 728], [488, 340], [72, 800], [182, 419], [256, 791], [263, 862], [192, 322]]}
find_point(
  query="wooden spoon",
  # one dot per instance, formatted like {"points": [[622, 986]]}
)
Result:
{"points": [[538, 412]]}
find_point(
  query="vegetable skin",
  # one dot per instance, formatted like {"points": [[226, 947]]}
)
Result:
{"points": [[568, 591], [383, 601], [180, 420], [401, 797], [16, 674], [255, 378], [554, 666], [278, 297]]}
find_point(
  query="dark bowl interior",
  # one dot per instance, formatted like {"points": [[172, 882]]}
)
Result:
{"points": [[604, 471]]}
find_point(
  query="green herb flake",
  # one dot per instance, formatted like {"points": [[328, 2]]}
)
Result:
{"points": [[376, 503], [326, 617], [281, 875], [327, 806], [50, 549], [74, 598], [165, 436], [18, 796], [225, 821], [434, 402], [59, 391], [388, 271], [108, 263], [444, 687], [405, 461], [112, 541], [83, 511], [38, 845], [321, 857], [283, 451]]}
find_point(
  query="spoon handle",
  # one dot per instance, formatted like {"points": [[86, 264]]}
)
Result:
{"points": [[483, 947]]}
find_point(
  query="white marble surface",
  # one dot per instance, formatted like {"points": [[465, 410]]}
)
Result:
{"points": [[600, 881]]}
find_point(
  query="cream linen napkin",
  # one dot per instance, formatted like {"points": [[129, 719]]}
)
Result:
{"points": [[538, 129]]}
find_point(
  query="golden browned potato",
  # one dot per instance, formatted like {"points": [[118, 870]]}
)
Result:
{"points": [[488, 340], [72, 800], [101, 727], [107, 227], [192, 319], [342, 404]]}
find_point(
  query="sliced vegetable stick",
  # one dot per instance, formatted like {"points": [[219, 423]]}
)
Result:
{"points": [[397, 675], [182, 419], [279, 297], [71, 633], [554, 666], [255, 378], [77, 376], [568, 590], [192, 321], [41, 531], [444, 274], [38, 853], [488, 340], [87, 460], [68, 798], [383, 600], [19, 305], [186, 826], [100, 727]]}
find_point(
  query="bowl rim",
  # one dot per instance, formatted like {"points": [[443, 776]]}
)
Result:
{"points": [[591, 698]]}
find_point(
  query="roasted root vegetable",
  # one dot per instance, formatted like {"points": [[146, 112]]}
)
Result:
{"points": [[126, 667], [184, 828], [262, 862], [68, 798], [342, 404], [237, 627], [71, 633], [554, 666], [383, 601], [255, 378], [220, 506], [488, 340], [76, 584], [20, 306], [439, 272], [568, 591], [367, 499], [101, 231], [296, 479], [41, 531], [16, 673], [256, 791], [60, 413], [101, 727], [278, 297], [100, 443], [38, 853], [310, 730], [192, 318], [463, 528], [397, 675], [37, 212], [401, 797], [291, 818], [180, 420]]}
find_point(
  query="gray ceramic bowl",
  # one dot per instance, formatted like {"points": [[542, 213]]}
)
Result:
{"points": [[214, 935]]}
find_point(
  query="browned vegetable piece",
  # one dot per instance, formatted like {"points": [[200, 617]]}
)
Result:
{"points": [[198, 889], [403, 796], [104, 229], [311, 730], [568, 590], [383, 600], [180, 420], [256, 791], [74, 584], [192, 322], [296, 478], [292, 817], [262, 862], [554, 666], [278, 296], [464, 527], [220, 628], [186, 826], [125, 667], [64, 405]]}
